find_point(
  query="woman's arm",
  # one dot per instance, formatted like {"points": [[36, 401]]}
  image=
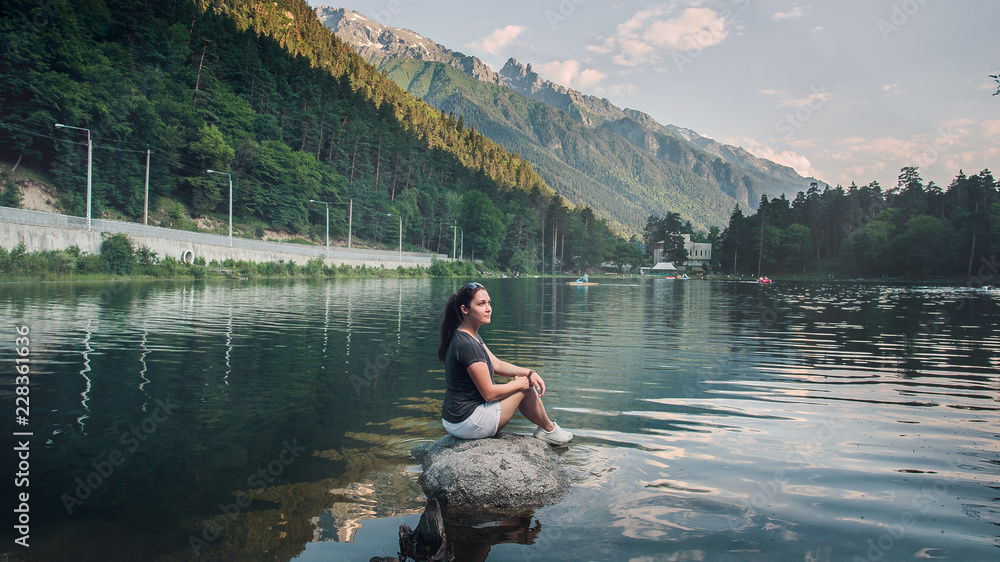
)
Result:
{"points": [[505, 369], [480, 375]]}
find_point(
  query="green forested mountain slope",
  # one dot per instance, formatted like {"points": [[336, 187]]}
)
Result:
{"points": [[597, 168], [738, 173], [774, 179], [264, 91]]}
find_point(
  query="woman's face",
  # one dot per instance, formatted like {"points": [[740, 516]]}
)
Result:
{"points": [[479, 308]]}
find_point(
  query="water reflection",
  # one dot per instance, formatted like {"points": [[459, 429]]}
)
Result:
{"points": [[712, 419], [387, 493], [473, 540], [142, 362], [326, 322], [466, 538], [83, 373]]}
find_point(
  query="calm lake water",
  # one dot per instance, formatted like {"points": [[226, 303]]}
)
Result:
{"points": [[713, 420]]}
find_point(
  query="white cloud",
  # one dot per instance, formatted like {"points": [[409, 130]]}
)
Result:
{"points": [[991, 128], [812, 100], [589, 77], [652, 33], [619, 90], [955, 144], [498, 39], [776, 154], [963, 127], [969, 160], [816, 98], [794, 13], [570, 73], [606, 46], [695, 28]]}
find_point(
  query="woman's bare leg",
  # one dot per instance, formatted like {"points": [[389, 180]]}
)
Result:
{"points": [[529, 404]]}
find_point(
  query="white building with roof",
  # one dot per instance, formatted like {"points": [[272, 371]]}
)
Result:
{"points": [[699, 253]]}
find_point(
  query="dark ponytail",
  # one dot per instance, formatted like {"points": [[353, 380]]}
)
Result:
{"points": [[453, 314]]}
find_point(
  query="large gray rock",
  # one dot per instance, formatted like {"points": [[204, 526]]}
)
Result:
{"points": [[507, 472]]}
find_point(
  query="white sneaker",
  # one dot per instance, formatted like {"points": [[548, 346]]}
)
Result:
{"points": [[558, 435]]}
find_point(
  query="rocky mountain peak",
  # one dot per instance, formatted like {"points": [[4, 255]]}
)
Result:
{"points": [[377, 43], [330, 17], [522, 78], [512, 68]]}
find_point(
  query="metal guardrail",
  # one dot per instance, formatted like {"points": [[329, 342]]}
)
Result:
{"points": [[41, 218]]}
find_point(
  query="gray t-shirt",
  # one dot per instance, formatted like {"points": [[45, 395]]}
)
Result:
{"points": [[461, 396]]}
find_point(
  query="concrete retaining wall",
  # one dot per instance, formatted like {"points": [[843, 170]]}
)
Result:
{"points": [[48, 231]]}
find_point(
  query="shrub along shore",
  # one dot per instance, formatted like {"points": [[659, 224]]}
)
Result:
{"points": [[119, 257]]}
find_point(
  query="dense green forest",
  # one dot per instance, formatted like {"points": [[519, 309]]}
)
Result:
{"points": [[263, 91], [913, 229]]}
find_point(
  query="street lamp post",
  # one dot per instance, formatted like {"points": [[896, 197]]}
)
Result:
{"points": [[145, 208], [327, 205], [454, 234], [350, 220], [90, 160], [230, 204], [400, 234]]}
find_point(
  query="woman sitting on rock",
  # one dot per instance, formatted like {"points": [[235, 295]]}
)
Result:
{"points": [[474, 406]]}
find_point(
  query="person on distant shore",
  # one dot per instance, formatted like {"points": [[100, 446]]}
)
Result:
{"points": [[474, 406]]}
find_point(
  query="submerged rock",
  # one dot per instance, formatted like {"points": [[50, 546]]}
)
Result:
{"points": [[507, 472]]}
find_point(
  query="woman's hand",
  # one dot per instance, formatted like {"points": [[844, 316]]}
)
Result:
{"points": [[517, 384], [535, 381], [523, 383]]}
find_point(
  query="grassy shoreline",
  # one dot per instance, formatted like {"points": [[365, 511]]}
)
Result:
{"points": [[120, 260]]}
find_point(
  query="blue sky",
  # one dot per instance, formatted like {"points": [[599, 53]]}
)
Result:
{"points": [[848, 90]]}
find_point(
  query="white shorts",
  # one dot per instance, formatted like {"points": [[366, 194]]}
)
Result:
{"points": [[483, 422]]}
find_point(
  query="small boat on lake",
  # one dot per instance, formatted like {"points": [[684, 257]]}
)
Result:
{"points": [[581, 282]]}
